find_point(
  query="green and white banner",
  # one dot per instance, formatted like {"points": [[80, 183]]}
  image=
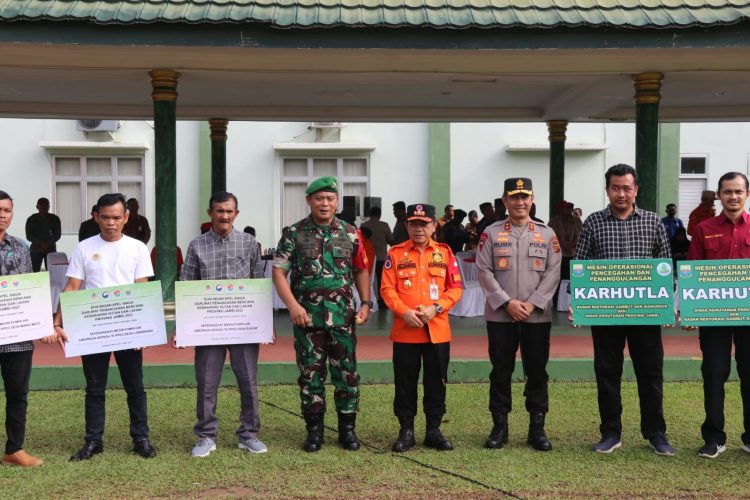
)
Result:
{"points": [[224, 312], [113, 318], [25, 307], [622, 292], [714, 292]]}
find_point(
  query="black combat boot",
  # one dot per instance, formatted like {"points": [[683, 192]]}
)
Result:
{"points": [[314, 425], [405, 440], [537, 438], [499, 433], [433, 438], [347, 437]]}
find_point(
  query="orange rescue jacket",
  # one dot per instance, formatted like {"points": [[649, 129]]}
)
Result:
{"points": [[407, 276]]}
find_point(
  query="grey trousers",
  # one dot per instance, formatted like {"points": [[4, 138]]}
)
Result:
{"points": [[209, 363]]}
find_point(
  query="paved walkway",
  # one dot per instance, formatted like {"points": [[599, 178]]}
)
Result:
{"points": [[469, 342]]}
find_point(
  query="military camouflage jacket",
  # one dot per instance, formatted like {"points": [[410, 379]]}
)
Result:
{"points": [[321, 260]]}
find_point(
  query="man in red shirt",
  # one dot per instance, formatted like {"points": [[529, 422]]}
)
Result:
{"points": [[705, 210], [726, 236], [421, 282]]}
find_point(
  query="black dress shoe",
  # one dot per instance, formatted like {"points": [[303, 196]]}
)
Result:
{"points": [[89, 449], [143, 448]]}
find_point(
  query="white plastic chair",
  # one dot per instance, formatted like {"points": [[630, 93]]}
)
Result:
{"points": [[473, 299]]}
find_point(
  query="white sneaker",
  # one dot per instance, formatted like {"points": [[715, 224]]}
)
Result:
{"points": [[253, 445], [203, 447]]}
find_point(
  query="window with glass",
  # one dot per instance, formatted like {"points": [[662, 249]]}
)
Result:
{"points": [[81, 180], [352, 175]]}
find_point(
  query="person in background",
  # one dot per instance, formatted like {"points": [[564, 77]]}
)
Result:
{"points": [[704, 210], [178, 256], [488, 216], [137, 226], [471, 230], [251, 231], [454, 234], [679, 245], [400, 234], [381, 236], [578, 212], [672, 223], [499, 209], [532, 214], [369, 248], [43, 229], [89, 227]]}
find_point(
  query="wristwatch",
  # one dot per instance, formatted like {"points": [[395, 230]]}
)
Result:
{"points": [[365, 303], [438, 308]]}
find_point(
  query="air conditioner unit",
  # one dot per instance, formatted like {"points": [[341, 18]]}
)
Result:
{"points": [[98, 125], [327, 125]]}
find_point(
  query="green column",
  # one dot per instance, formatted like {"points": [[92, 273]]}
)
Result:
{"points": [[440, 165], [164, 95], [218, 154], [557, 129], [647, 98], [669, 165]]}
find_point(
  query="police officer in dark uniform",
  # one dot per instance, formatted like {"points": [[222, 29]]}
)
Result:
{"points": [[518, 262]]}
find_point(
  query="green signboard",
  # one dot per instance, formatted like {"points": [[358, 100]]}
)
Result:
{"points": [[622, 292], [714, 292]]}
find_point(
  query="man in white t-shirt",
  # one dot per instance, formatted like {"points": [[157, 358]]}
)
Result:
{"points": [[109, 259]]}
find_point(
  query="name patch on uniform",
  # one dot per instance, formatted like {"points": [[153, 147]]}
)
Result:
{"points": [[712, 236], [406, 264], [437, 264]]}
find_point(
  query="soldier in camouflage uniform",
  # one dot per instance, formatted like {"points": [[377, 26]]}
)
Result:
{"points": [[325, 258]]}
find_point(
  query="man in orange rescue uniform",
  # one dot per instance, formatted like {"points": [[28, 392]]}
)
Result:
{"points": [[421, 283]]}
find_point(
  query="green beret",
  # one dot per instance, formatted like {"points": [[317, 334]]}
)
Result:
{"points": [[323, 184]]}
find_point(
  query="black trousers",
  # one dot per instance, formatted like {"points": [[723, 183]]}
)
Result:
{"points": [[647, 354], [504, 340], [37, 257], [716, 346], [16, 371], [96, 368], [407, 362]]}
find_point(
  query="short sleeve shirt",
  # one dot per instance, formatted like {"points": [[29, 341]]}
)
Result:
{"points": [[101, 263]]}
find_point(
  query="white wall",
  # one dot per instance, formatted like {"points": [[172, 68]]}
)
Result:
{"points": [[399, 164], [398, 168], [481, 162], [726, 144]]}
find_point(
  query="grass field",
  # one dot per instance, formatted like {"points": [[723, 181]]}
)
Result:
{"points": [[571, 470]]}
